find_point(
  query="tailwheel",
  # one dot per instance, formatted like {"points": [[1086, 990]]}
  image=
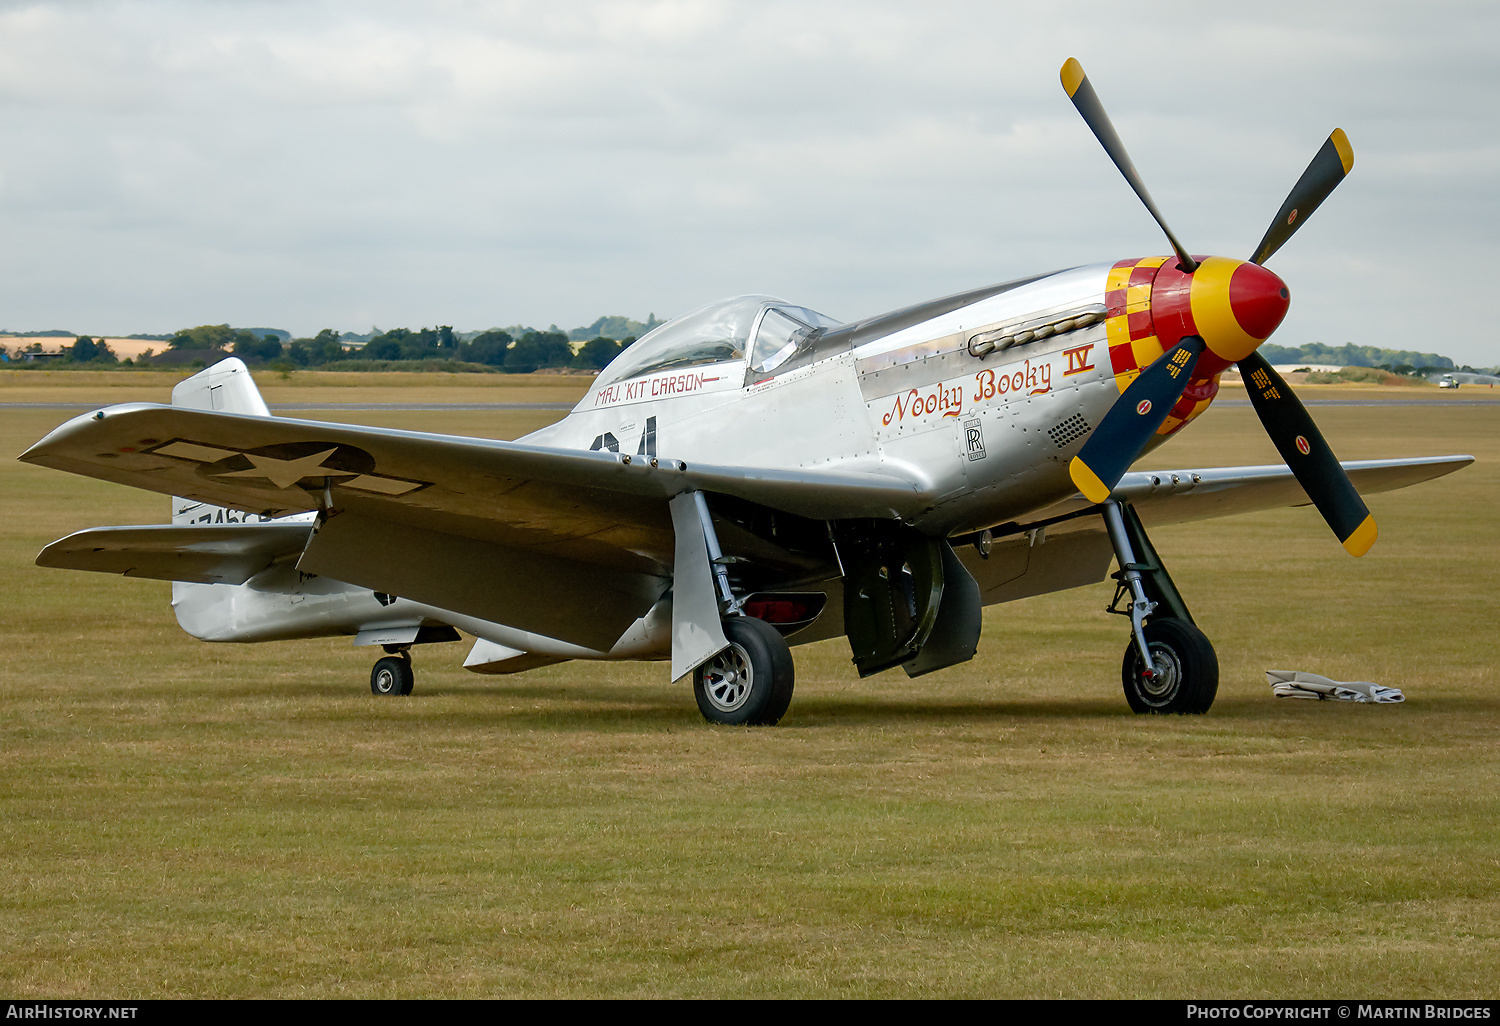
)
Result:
{"points": [[393, 675], [1185, 674], [751, 681]]}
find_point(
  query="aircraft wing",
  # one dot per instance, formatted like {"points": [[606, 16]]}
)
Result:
{"points": [[1066, 546], [1228, 491], [1180, 496], [571, 544], [202, 554], [278, 465]]}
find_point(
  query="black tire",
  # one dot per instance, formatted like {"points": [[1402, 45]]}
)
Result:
{"points": [[392, 676], [749, 683], [1187, 670]]}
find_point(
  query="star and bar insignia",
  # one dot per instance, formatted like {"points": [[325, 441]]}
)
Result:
{"points": [[308, 464]]}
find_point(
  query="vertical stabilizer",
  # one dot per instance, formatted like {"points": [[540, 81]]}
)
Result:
{"points": [[221, 612], [225, 387]]}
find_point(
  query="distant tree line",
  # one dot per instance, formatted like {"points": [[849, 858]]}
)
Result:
{"points": [[516, 350], [533, 350], [614, 327], [1351, 355]]}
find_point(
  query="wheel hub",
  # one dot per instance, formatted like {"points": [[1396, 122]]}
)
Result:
{"points": [[1163, 682], [726, 679]]}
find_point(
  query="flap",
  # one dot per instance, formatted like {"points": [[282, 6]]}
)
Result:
{"points": [[580, 603]]}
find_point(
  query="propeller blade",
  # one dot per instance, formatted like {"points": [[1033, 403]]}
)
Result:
{"points": [[1118, 440], [1305, 451], [1333, 161], [1081, 92]]}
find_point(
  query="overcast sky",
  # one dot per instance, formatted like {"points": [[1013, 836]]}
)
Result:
{"points": [[348, 164]]}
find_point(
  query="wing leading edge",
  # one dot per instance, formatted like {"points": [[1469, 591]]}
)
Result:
{"points": [[1180, 496], [276, 465], [573, 545]]}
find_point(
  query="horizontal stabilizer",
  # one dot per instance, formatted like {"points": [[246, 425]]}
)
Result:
{"points": [[219, 554]]}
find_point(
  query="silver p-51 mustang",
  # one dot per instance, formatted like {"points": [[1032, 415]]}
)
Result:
{"points": [[755, 473]]}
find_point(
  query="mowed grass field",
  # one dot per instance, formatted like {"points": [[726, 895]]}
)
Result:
{"points": [[180, 819]]}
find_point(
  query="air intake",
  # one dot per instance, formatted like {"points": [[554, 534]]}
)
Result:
{"points": [[1065, 432]]}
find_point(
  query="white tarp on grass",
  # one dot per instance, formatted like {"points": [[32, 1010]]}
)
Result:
{"points": [[1297, 684]]}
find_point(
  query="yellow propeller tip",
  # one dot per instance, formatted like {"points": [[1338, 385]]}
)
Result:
{"points": [[1072, 76], [1363, 537], [1346, 151], [1087, 481]]}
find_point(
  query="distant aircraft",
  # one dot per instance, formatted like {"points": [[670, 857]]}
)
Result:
{"points": [[755, 473]]}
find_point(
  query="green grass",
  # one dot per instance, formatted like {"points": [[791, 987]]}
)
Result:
{"points": [[181, 819]]}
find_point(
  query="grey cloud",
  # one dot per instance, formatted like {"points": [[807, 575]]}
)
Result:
{"points": [[317, 164]]}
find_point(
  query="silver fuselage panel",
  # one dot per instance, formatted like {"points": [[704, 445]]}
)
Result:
{"points": [[981, 433]]}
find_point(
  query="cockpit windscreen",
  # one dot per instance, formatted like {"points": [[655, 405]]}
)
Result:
{"points": [[721, 332]]}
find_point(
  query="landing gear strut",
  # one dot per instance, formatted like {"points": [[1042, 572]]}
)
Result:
{"points": [[1169, 666], [393, 674]]}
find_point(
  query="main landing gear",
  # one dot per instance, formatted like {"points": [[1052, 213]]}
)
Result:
{"points": [[750, 682], [1169, 666], [393, 675], [1184, 670]]}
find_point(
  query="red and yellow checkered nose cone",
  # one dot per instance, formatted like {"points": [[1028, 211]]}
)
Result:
{"points": [[1236, 305], [1232, 305]]}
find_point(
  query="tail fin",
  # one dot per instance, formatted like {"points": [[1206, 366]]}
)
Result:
{"points": [[277, 602], [225, 386]]}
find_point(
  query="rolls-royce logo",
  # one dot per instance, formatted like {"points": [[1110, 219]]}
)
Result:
{"points": [[974, 438]]}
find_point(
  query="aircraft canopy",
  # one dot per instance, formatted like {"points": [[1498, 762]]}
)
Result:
{"points": [[720, 332]]}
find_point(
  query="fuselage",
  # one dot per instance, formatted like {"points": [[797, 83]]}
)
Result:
{"points": [[982, 398], [979, 400]]}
